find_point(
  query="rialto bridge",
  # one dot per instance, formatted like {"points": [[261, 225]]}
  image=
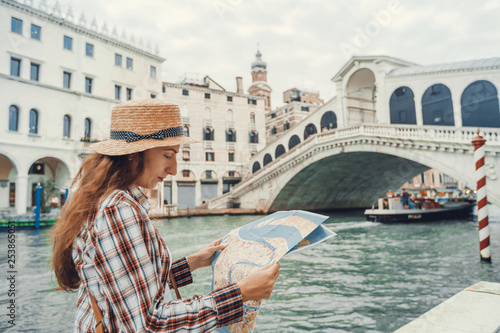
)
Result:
{"points": [[352, 167], [390, 121]]}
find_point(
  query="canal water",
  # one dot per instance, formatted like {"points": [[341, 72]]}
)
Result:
{"points": [[372, 277]]}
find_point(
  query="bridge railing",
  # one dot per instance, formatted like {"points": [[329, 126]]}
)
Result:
{"points": [[427, 133]]}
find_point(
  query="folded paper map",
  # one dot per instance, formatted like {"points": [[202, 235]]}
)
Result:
{"points": [[260, 243]]}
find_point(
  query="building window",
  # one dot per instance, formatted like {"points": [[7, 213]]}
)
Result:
{"points": [[163, 89], [186, 155], [273, 115], [185, 173], [186, 131], [207, 95], [129, 94], [286, 110], [67, 80], [88, 128], [286, 126], [209, 156], [422, 178], [208, 174], [208, 134], [13, 118], [185, 92], [36, 32], [68, 43], [66, 126], [130, 63], [229, 98], [118, 92], [274, 130], [33, 121], [118, 59], [88, 85], [230, 157], [15, 67], [153, 96], [34, 72], [254, 137], [152, 72], [230, 136], [16, 25], [89, 49], [304, 108], [252, 118], [252, 101]]}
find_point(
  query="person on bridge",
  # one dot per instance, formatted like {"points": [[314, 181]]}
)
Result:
{"points": [[106, 246]]}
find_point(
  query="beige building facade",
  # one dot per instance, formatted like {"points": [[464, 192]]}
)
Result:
{"points": [[231, 129]]}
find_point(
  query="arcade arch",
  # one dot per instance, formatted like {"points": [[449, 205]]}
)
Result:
{"points": [[360, 93], [402, 106], [328, 120], [480, 105], [437, 106]]}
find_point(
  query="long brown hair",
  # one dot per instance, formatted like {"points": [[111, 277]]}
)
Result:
{"points": [[99, 176]]}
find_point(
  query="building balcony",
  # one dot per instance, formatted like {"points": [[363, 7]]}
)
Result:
{"points": [[231, 145], [185, 120], [253, 147], [207, 122], [230, 125], [186, 146], [88, 141], [253, 127], [207, 144]]}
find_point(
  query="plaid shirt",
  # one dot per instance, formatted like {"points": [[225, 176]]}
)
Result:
{"points": [[123, 261]]}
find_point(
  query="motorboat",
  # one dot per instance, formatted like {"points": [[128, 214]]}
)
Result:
{"points": [[391, 210]]}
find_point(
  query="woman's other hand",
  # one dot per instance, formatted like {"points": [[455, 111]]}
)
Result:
{"points": [[203, 258], [259, 284]]}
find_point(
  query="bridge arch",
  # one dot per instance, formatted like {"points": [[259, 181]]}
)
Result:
{"points": [[294, 140], [480, 106], [267, 159], [328, 120], [437, 106], [402, 106], [280, 150], [352, 179], [309, 130]]}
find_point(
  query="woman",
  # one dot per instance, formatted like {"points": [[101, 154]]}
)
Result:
{"points": [[105, 245]]}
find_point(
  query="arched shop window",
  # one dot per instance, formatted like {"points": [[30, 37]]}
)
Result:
{"points": [[402, 106]]}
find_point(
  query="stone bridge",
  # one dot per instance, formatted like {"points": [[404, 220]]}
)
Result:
{"points": [[351, 167]]}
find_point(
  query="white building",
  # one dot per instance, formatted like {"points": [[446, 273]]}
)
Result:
{"points": [[59, 79], [231, 128]]}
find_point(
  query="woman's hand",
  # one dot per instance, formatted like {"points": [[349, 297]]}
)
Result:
{"points": [[259, 284], [203, 258]]}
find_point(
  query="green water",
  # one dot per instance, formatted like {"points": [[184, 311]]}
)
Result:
{"points": [[370, 278]]}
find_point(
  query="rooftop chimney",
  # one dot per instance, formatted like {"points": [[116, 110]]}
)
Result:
{"points": [[239, 85]]}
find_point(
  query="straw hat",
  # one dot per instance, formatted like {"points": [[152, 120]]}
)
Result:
{"points": [[142, 124]]}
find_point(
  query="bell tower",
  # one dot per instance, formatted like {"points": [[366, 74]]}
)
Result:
{"points": [[259, 85]]}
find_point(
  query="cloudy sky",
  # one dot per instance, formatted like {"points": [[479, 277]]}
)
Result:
{"points": [[303, 42]]}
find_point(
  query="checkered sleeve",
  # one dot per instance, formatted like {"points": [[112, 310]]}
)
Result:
{"points": [[130, 283], [182, 273]]}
